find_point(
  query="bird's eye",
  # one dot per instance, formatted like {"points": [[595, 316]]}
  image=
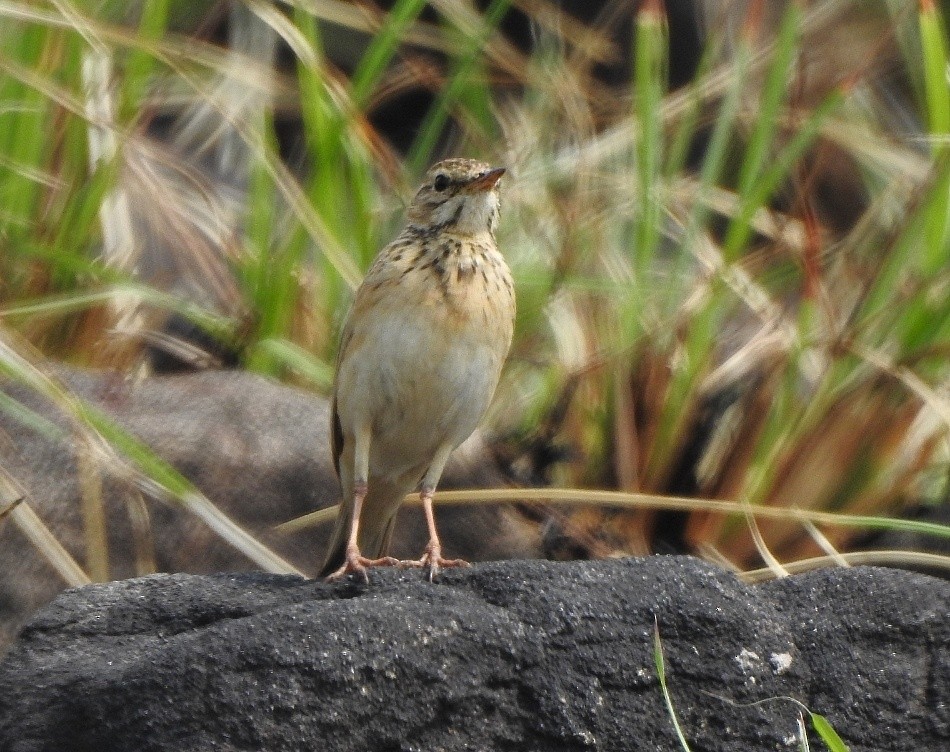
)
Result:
{"points": [[441, 182]]}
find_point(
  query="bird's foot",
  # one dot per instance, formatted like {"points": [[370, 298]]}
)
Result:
{"points": [[356, 563], [432, 558]]}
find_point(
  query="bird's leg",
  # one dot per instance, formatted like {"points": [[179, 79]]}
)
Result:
{"points": [[433, 553], [355, 562], [432, 556]]}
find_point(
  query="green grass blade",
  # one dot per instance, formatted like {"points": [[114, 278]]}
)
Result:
{"points": [[768, 112], [934, 48], [827, 733], [650, 80], [140, 62], [935, 66], [288, 355], [24, 123], [660, 663], [459, 79], [740, 229], [919, 321], [723, 131], [382, 48]]}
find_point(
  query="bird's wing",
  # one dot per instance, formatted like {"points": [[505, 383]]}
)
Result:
{"points": [[336, 428], [366, 296], [336, 438]]}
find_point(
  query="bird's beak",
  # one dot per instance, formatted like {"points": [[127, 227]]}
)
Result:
{"points": [[486, 181]]}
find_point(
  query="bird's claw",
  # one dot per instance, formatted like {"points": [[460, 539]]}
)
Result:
{"points": [[356, 563], [432, 558]]}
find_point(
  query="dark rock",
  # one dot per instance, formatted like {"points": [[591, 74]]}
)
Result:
{"points": [[258, 450], [877, 645], [503, 656]]}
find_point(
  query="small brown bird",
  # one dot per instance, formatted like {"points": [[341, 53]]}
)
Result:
{"points": [[419, 361]]}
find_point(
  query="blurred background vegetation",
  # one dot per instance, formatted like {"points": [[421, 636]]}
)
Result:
{"points": [[727, 221]]}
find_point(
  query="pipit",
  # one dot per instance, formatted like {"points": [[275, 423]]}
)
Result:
{"points": [[420, 356]]}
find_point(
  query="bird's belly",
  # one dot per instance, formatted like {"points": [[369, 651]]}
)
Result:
{"points": [[419, 384]]}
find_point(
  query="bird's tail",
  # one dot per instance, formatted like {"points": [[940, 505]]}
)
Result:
{"points": [[376, 523]]}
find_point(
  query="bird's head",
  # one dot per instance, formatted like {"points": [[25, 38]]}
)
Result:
{"points": [[458, 195]]}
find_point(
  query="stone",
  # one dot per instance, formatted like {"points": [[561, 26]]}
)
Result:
{"points": [[522, 656]]}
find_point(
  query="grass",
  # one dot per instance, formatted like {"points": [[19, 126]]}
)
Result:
{"points": [[734, 291], [660, 662], [819, 724]]}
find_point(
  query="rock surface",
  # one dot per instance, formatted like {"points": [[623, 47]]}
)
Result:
{"points": [[504, 656], [258, 450]]}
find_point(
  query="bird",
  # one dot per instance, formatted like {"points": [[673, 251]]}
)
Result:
{"points": [[420, 356]]}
